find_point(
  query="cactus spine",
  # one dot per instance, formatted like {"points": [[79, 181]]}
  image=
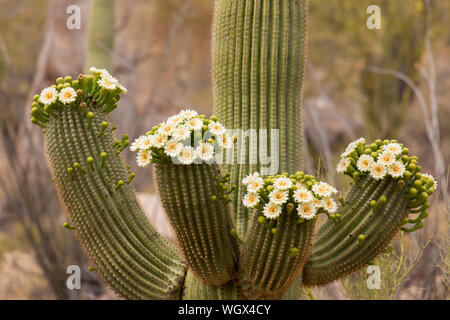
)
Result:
{"points": [[259, 52]]}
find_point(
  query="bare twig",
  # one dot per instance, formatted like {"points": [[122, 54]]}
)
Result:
{"points": [[5, 55]]}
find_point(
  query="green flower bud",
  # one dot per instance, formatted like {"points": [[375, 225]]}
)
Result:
{"points": [[293, 252]]}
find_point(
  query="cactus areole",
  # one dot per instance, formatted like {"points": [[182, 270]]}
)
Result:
{"points": [[246, 230]]}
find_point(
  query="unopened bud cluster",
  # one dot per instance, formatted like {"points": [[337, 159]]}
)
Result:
{"points": [[100, 89]]}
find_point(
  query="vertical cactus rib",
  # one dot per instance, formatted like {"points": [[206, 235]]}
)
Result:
{"points": [[202, 225], [254, 85], [282, 90], [301, 49]]}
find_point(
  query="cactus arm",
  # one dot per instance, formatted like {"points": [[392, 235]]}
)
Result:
{"points": [[268, 263], [93, 184], [202, 225], [373, 212], [337, 249], [100, 34], [279, 240]]}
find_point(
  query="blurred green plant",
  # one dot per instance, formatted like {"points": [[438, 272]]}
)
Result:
{"points": [[398, 45], [401, 46]]}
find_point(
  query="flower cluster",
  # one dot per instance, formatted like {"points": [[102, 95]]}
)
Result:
{"points": [[50, 95], [106, 81], [185, 138], [274, 195], [378, 159], [98, 89], [389, 159], [67, 94]]}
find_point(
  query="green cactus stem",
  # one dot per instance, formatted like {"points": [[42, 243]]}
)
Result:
{"points": [[195, 289], [388, 187], [259, 51], [258, 67], [125, 248]]}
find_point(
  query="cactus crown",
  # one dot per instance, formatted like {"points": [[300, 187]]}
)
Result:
{"points": [[389, 160], [99, 90], [286, 193], [185, 138]]}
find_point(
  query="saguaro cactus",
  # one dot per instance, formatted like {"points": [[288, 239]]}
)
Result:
{"points": [[100, 35], [262, 244]]}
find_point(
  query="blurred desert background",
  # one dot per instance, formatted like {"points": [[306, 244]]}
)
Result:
{"points": [[393, 82]]}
